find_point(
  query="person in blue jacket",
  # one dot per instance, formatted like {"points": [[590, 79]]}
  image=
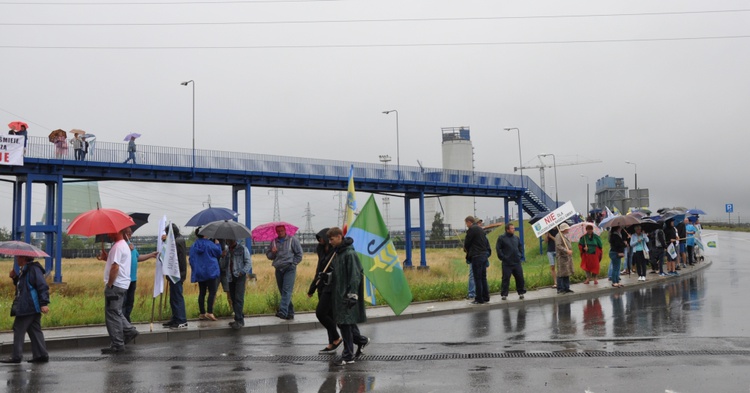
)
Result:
{"points": [[32, 299], [204, 265]]}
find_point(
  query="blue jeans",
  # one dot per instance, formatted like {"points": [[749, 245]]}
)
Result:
{"points": [[131, 157], [472, 285], [177, 302], [237, 293], [285, 281], [615, 261]]}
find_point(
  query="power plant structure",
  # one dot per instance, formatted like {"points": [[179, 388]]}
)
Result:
{"points": [[458, 154]]}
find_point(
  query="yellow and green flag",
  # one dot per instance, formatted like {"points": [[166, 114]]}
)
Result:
{"points": [[378, 256]]}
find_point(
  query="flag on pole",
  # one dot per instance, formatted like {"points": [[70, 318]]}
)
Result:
{"points": [[170, 265], [351, 207], [375, 249]]}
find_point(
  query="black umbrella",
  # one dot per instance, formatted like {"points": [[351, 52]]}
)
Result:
{"points": [[647, 226], [537, 217], [140, 220], [621, 221]]}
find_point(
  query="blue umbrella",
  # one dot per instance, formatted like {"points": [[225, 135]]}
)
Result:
{"points": [[210, 215], [696, 212], [675, 215]]}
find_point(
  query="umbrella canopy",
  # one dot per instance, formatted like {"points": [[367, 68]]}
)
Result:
{"points": [[140, 220], [15, 247], [267, 232], [132, 135], [675, 215], [77, 131], [99, 221], [620, 221], [643, 211], [88, 136], [225, 229], [16, 126], [646, 225], [57, 133], [576, 232], [210, 215], [696, 212]]}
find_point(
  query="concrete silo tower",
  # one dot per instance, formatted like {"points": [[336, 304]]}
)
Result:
{"points": [[458, 154]]}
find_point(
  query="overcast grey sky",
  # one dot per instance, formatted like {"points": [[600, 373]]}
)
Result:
{"points": [[663, 84]]}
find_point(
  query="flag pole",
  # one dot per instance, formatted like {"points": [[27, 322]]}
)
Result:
{"points": [[153, 305]]}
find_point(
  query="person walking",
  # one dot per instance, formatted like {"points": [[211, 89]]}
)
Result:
{"points": [[204, 269], [563, 259], [617, 247], [117, 281], [239, 266], [129, 300], [478, 250], [31, 301], [286, 253], [638, 242], [590, 247], [77, 147], [321, 284], [131, 150], [176, 298], [348, 295], [510, 251]]}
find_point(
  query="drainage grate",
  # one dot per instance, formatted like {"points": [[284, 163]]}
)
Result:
{"points": [[402, 358]]}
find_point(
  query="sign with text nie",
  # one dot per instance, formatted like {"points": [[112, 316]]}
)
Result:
{"points": [[553, 219]]}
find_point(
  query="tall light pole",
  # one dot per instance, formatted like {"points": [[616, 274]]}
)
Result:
{"points": [[588, 206], [637, 194], [398, 151], [185, 84], [554, 165], [520, 160]]}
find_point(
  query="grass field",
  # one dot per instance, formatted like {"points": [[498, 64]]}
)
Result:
{"points": [[80, 300]]}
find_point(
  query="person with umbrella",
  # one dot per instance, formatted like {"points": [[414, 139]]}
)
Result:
{"points": [[117, 282], [590, 247], [239, 265], [204, 268], [617, 249], [639, 244], [131, 150], [31, 301], [286, 253], [61, 145]]}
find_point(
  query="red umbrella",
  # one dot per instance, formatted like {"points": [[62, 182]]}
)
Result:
{"points": [[267, 232], [15, 247], [99, 221], [16, 125]]}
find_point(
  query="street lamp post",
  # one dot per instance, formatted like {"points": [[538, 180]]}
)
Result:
{"points": [[588, 206], [398, 149], [520, 160], [554, 165], [637, 193], [185, 84]]}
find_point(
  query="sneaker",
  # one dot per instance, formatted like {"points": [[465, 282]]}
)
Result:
{"points": [[568, 291], [236, 325], [113, 350], [520, 297], [132, 336], [504, 298], [343, 362], [10, 361], [179, 326], [280, 315], [663, 274], [361, 348]]}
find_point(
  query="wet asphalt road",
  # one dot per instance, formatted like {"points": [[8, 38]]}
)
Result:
{"points": [[691, 335]]}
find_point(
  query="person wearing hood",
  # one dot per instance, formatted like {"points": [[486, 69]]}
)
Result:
{"points": [[321, 284], [204, 269], [32, 299], [348, 295]]}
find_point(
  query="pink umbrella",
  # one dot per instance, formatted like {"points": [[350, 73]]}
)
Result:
{"points": [[15, 247], [267, 232], [577, 231], [16, 125]]}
